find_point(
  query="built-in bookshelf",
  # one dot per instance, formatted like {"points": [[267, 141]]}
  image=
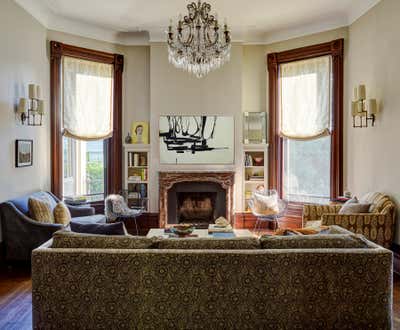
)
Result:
{"points": [[254, 171], [136, 175]]}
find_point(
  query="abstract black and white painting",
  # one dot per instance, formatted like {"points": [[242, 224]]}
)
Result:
{"points": [[196, 139]]}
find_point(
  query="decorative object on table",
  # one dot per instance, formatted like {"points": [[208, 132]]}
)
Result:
{"points": [[116, 210], [140, 132], [267, 207], [221, 225], [362, 108], [128, 139], [75, 200], [31, 109], [23, 153], [254, 127], [182, 229], [196, 139], [198, 46]]}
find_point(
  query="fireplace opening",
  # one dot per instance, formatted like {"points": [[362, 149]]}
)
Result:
{"points": [[197, 202], [194, 207]]}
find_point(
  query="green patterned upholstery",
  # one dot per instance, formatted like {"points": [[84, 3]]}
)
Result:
{"points": [[212, 289], [378, 226]]}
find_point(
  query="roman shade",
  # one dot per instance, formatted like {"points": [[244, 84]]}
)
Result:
{"points": [[305, 96], [87, 99]]}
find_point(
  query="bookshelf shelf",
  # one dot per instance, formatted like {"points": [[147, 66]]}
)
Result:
{"points": [[254, 165], [136, 176]]}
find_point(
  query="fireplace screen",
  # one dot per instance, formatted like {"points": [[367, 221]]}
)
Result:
{"points": [[196, 207]]}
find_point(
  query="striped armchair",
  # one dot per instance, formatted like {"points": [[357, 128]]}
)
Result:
{"points": [[378, 225]]}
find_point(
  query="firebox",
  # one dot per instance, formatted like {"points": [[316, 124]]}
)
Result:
{"points": [[199, 203]]}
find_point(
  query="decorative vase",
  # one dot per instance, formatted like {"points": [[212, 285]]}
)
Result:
{"points": [[128, 139]]}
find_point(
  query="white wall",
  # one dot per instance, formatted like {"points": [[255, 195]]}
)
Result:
{"points": [[372, 154], [23, 60], [174, 91]]}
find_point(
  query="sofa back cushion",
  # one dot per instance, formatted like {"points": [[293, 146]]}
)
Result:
{"points": [[380, 203], [323, 241], [68, 239], [205, 243]]}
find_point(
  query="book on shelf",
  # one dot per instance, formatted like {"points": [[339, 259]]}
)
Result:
{"points": [[256, 178]]}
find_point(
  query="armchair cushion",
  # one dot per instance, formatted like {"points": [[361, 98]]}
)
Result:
{"points": [[117, 228]]}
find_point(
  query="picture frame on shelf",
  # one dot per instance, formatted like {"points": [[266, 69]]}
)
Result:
{"points": [[140, 132], [23, 153]]}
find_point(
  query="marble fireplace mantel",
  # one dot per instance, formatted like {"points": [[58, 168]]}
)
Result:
{"points": [[168, 178]]}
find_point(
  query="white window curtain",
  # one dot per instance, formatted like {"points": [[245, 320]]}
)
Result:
{"points": [[87, 99], [305, 96]]}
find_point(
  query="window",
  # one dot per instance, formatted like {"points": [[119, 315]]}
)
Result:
{"points": [[84, 169], [86, 109], [306, 115], [306, 173], [305, 111]]}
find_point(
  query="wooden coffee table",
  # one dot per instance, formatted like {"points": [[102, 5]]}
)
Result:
{"points": [[159, 232]]}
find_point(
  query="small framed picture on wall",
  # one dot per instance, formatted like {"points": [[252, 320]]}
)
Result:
{"points": [[23, 153]]}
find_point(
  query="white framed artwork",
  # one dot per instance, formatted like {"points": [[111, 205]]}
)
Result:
{"points": [[207, 139]]}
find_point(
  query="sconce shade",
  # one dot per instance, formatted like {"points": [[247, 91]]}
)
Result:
{"points": [[32, 91], [40, 109], [38, 92], [361, 92], [22, 105], [372, 107], [360, 106], [354, 108]]}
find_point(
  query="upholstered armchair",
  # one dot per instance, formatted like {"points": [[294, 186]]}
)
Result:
{"points": [[378, 225], [21, 234]]}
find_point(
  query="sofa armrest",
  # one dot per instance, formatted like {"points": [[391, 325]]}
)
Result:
{"points": [[377, 227], [80, 211], [313, 212]]}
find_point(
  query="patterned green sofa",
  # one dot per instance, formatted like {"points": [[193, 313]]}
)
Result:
{"points": [[378, 225], [131, 283]]}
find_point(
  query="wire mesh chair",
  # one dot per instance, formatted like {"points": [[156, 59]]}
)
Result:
{"points": [[116, 209], [269, 201]]}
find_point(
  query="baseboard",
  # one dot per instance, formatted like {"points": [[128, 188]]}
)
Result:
{"points": [[396, 258]]}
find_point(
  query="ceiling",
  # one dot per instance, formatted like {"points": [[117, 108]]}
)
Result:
{"points": [[132, 22]]}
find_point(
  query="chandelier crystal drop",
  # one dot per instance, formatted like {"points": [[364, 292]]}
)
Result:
{"points": [[198, 45]]}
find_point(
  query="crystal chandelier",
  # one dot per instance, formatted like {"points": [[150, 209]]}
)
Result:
{"points": [[198, 46]]}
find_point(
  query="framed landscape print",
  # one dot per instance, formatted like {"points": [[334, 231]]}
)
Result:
{"points": [[23, 153], [197, 139]]}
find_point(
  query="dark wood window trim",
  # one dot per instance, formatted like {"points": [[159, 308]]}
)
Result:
{"points": [[335, 49], [113, 145]]}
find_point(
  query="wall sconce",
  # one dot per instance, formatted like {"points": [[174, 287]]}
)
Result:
{"points": [[362, 108], [31, 110]]}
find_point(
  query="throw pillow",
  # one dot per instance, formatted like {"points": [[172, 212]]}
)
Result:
{"points": [[40, 210], [265, 205], [117, 228], [353, 208], [61, 214]]}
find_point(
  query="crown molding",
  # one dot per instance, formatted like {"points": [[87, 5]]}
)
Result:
{"points": [[250, 36]]}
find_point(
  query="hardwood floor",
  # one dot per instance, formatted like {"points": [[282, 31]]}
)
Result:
{"points": [[16, 299]]}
